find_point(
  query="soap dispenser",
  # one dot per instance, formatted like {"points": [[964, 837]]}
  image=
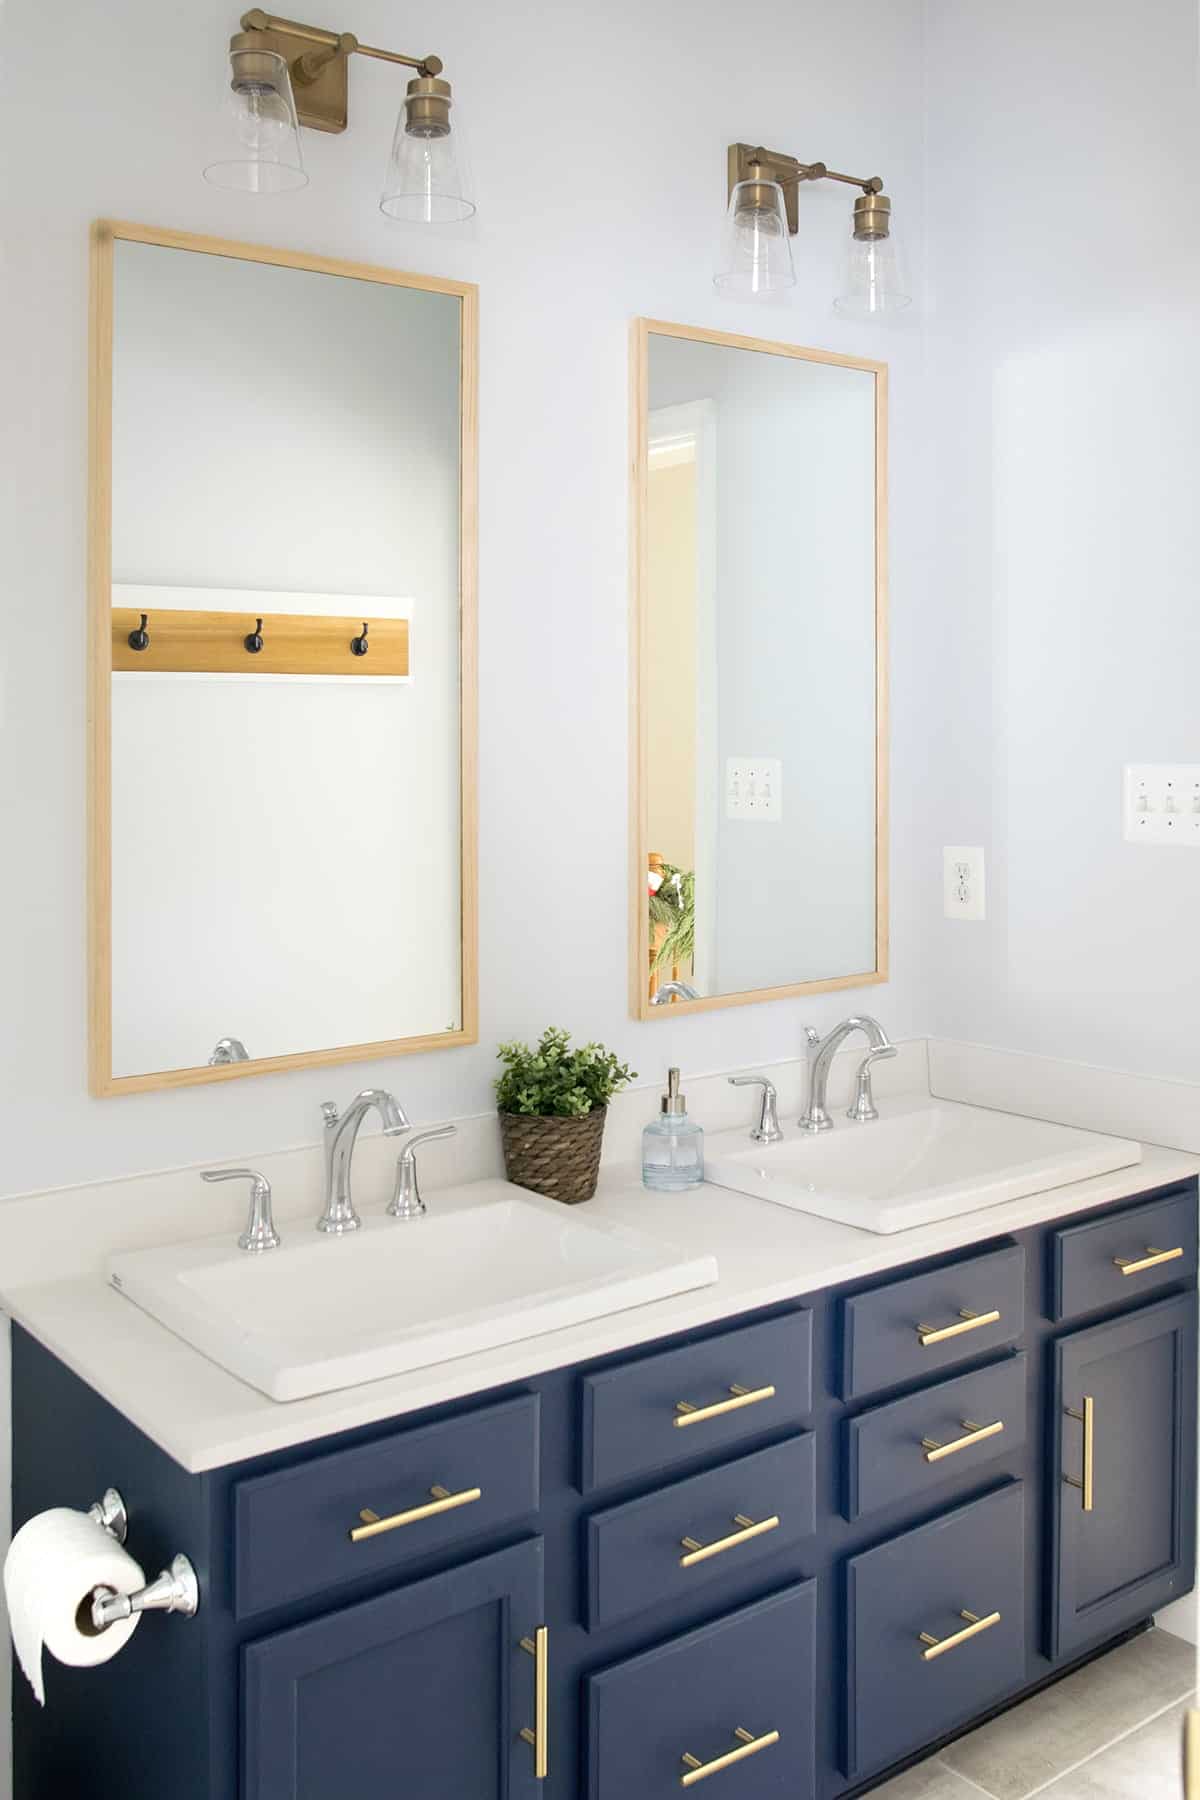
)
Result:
{"points": [[672, 1147]]}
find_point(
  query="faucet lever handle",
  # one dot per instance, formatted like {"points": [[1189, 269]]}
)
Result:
{"points": [[406, 1201], [864, 1107], [260, 1232], [812, 1036], [767, 1131]]}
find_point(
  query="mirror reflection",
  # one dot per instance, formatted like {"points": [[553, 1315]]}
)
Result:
{"points": [[761, 683], [286, 782]]}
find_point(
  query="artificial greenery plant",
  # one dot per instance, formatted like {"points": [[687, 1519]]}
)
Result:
{"points": [[554, 1081]]}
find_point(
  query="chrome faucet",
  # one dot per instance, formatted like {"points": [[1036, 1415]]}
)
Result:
{"points": [[671, 990], [821, 1051], [341, 1135]]}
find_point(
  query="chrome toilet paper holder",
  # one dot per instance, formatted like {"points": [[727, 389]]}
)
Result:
{"points": [[175, 1590]]}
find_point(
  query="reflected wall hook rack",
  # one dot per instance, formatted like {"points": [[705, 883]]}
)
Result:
{"points": [[217, 643]]}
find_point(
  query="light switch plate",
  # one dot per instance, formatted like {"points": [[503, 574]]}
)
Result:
{"points": [[753, 787], [1162, 803], [964, 892]]}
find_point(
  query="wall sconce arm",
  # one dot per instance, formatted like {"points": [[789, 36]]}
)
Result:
{"points": [[334, 44]]}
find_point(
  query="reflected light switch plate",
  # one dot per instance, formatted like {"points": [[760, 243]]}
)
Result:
{"points": [[753, 787]]}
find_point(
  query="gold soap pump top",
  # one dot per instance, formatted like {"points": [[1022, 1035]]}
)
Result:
{"points": [[673, 1102]]}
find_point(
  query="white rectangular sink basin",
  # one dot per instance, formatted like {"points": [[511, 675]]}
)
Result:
{"points": [[319, 1313], [920, 1161]]}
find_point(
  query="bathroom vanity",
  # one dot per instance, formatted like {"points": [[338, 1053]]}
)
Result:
{"points": [[785, 1546]]}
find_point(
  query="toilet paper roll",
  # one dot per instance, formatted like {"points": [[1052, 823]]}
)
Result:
{"points": [[53, 1565]]}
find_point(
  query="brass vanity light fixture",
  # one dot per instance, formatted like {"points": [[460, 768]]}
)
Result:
{"points": [[764, 212], [284, 75]]}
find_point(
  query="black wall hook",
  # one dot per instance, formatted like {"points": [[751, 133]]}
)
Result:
{"points": [[359, 644], [253, 640], [140, 639]]}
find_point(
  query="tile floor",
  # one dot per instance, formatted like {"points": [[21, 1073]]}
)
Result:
{"points": [[1111, 1731]]}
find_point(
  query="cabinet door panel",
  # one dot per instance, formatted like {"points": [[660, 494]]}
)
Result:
{"points": [[422, 1691], [1132, 1548], [751, 1671], [967, 1566]]}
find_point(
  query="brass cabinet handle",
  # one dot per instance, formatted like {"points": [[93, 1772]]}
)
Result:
{"points": [[748, 1528], [975, 1434], [442, 1502], [967, 1321], [687, 1414], [748, 1745], [1135, 1265], [538, 1646], [1088, 1483], [935, 1647]]}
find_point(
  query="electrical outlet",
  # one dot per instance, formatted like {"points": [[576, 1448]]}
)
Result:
{"points": [[753, 787], [1162, 803], [963, 889]]}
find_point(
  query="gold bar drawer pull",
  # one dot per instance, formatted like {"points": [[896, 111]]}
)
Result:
{"points": [[975, 1434], [748, 1745], [967, 1321], [935, 1647], [687, 1414], [747, 1529], [1134, 1265], [538, 1646], [442, 1502], [1086, 1484]]}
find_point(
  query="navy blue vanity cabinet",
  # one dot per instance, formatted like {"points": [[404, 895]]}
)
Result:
{"points": [[788, 1551], [1124, 1504], [422, 1691]]}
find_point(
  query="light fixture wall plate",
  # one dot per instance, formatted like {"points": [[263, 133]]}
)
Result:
{"points": [[322, 98]]}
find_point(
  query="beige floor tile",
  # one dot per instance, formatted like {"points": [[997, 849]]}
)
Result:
{"points": [[928, 1781], [1143, 1766], [1030, 1746]]}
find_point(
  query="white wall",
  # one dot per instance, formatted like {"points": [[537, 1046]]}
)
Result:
{"points": [[567, 248], [1064, 293]]}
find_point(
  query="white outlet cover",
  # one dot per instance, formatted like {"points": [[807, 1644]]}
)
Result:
{"points": [[753, 788], [964, 890], [1162, 803]]}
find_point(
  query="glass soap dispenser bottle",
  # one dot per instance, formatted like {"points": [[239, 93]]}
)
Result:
{"points": [[672, 1147]]}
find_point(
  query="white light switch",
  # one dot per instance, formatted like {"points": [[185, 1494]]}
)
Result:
{"points": [[1162, 803], [753, 787], [963, 889]]}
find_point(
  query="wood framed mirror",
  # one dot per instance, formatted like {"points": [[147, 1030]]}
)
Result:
{"points": [[282, 692], [759, 670]]}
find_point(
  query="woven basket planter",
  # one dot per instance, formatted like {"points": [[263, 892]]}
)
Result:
{"points": [[556, 1157]]}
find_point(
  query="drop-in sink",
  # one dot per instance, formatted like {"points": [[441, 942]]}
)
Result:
{"points": [[920, 1161], [486, 1266]]}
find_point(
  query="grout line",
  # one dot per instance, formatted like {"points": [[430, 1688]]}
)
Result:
{"points": [[1111, 1744]]}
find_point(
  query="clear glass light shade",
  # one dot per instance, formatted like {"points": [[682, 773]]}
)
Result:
{"points": [[264, 148], [872, 282], [756, 254], [428, 180]]}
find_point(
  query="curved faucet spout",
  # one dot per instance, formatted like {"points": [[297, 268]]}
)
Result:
{"points": [[821, 1052], [341, 1135]]}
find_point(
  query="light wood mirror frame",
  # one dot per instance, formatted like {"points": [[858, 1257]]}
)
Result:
{"points": [[642, 332], [102, 1081]]}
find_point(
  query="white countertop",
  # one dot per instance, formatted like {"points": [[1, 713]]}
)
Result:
{"points": [[205, 1418]]}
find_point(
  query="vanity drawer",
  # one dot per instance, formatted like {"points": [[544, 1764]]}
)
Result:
{"points": [[669, 1543], [1155, 1241], [921, 1326], [737, 1694], [905, 1448], [916, 1665], [292, 1528], [705, 1399]]}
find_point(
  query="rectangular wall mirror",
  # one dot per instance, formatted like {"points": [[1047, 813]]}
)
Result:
{"points": [[282, 733], [759, 650]]}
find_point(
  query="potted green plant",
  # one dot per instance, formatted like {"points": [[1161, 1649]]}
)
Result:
{"points": [[553, 1101]]}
